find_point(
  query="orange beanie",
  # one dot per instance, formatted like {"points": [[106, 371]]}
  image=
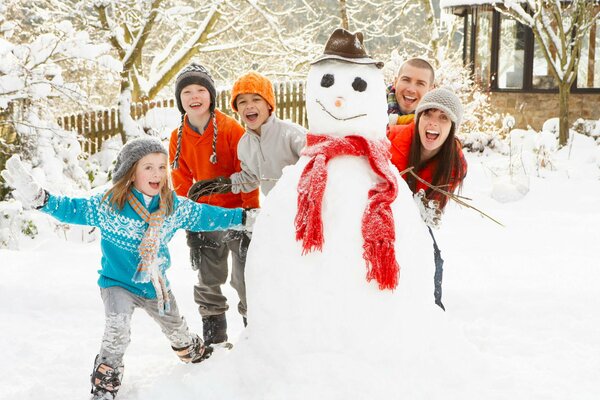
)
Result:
{"points": [[253, 82]]}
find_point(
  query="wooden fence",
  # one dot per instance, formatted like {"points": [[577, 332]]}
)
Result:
{"points": [[97, 126]]}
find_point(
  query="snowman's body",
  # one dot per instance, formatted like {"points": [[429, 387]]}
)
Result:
{"points": [[323, 297]]}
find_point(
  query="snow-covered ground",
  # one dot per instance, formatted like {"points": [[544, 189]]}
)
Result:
{"points": [[525, 294]]}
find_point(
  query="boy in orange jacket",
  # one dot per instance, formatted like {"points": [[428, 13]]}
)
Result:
{"points": [[203, 151]]}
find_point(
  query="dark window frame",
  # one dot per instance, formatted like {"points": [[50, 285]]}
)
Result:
{"points": [[528, 54]]}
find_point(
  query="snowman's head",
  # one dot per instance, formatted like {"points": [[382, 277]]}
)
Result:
{"points": [[346, 99], [345, 90]]}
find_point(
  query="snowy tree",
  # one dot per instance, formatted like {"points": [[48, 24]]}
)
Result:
{"points": [[31, 79], [154, 40], [559, 28]]}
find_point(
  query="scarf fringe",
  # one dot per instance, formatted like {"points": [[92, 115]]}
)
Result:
{"points": [[382, 266]]}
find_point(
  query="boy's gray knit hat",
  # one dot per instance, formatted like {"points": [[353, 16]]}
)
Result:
{"points": [[195, 73], [133, 151], [442, 99]]}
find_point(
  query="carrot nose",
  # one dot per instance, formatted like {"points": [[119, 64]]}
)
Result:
{"points": [[338, 102]]}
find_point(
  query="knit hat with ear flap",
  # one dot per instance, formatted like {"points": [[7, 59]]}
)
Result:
{"points": [[132, 152], [195, 73], [442, 99], [251, 83]]}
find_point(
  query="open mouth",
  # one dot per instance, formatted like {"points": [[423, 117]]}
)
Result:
{"points": [[195, 105], [431, 135], [251, 116], [154, 185], [409, 100], [338, 118]]}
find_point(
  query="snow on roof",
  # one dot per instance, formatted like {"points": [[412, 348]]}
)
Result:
{"points": [[455, 3]]}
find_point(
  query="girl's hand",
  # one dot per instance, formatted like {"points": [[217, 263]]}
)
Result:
{"points": [[26, 189]]}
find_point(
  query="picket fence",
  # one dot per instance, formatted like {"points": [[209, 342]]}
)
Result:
{"points": [[97, 126]]}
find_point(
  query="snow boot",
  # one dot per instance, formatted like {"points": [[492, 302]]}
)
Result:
{"points": [[106, 381], [195, 352], [214, 328]]}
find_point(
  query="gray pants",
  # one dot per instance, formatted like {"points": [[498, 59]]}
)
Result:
{"points": [[119, 304], [213, 272]]}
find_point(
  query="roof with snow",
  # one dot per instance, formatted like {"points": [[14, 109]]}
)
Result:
{"points": [[459, 3], [456, 3]]}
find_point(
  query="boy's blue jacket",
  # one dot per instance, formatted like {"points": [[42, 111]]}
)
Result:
{"points": [[123, 230]]}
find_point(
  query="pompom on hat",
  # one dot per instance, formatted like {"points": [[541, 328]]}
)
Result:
{"points": [[250, 83], [195, 74], [132, 152], [346, 46], [442, 99]]}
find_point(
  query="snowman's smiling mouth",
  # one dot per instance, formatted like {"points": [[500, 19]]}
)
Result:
{"points": [[338, 118]]}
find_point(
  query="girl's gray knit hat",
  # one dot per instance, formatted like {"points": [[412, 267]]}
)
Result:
{"points": [[442, 99], [132, 152]]}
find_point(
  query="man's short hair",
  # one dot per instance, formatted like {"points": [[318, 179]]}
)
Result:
{"points": [[418, 63]]}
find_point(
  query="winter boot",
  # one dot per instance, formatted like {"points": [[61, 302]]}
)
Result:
{"points": [[106, 381], [195, 352], [214, 328]]}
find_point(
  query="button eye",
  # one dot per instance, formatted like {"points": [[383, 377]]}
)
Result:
{"points": [[327, 80], [359, 84]]}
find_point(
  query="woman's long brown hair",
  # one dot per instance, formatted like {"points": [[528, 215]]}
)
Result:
{"points": [[448, 164], [117, 194]]}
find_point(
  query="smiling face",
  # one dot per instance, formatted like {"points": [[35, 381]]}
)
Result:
{"points": [[434, 128], [150, 174], [346, 99], [195, 100], [253, 110], [411, 85]]}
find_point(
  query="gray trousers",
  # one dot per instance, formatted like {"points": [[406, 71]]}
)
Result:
{"points": [[212, 274], [119, 304]]}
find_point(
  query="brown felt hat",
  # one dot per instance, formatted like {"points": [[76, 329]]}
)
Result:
{"points": [[348, 47]]}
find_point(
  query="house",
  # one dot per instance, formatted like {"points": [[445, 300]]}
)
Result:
{"points": [[506, 60]]}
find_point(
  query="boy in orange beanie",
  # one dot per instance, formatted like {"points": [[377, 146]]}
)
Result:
{"points": [[269, 144]]}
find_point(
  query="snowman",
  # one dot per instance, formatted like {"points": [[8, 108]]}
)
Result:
{"points": [[340, 264]]}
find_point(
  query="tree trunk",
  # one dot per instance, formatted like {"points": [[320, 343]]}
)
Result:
{"points": [[563, 95], [344, 14], [125, 85]]}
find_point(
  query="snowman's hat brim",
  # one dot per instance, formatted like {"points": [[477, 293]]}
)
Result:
{"points": [[361, 60]]}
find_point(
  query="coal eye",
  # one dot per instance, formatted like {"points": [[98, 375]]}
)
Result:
{"points": [[359, 85], [327, 80]]}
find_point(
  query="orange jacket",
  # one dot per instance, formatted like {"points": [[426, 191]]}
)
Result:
{"points": [[194, 163], [401, 138]]}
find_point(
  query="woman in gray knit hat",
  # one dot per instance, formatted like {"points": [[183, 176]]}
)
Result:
{"points": [[137, 217], [430, 146]]}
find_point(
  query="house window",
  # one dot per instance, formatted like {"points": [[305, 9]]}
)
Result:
{"points": [[588, 73], [483, 48], [511, 57], [542, 74]]}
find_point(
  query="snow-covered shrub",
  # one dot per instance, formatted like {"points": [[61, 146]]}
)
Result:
{"points": [[589, 128], [14, 223]]}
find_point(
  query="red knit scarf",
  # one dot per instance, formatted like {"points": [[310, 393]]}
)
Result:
{"points": [[377, 222]]}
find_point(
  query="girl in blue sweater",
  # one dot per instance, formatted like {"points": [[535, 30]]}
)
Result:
{"points": [[137, 217]]}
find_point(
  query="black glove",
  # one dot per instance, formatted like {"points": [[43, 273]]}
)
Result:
{"points": [[244, 238], [207, 187], [196, 241]]}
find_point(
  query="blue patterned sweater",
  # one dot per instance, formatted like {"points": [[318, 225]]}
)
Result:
{"points": [[122, 231]]}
